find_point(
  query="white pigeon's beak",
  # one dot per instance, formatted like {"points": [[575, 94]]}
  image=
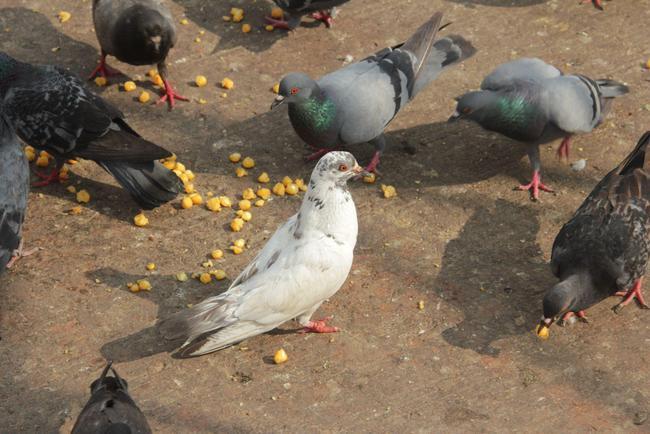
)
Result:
{"points": [[279, 100], [454, 117]]}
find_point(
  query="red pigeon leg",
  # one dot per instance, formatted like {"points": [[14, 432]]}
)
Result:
{"points": [[319, 326]]}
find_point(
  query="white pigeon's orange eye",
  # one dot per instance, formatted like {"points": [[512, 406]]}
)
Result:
{"points": [[343, 167], [294, 90]]}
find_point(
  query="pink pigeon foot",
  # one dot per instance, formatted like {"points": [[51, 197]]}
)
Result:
{"points": [[277, 24], [47, 179], [325, 17], [567, 317], [103, 70], [374, 162], [565, 148], [170, 95], [535, 186], [635, 293], [19, 253], [319, 326]]}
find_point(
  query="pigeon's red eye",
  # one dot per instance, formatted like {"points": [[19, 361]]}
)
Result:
{"points": [[343, 167], [294, 90]]}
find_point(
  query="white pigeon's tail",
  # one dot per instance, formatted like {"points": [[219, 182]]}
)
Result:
{"points": [[611, 88]]}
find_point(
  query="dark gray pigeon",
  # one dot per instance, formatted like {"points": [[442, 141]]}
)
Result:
{"points": [[110, 409], [355, 104], [54, 111], [532, 102], [603, 250], [321, 10], [137, 32], [14, 187]]}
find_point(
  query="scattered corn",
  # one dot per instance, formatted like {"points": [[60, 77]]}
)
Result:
{"points": [[218, 274], [190, 175], [30, 153], [140, 220], [263, 178], [248, 194], [542, 332], [236, 250], [235, 157], [197, 39], [276, 13], [71, 189], [187, 202], [213, 204], [245, 205], [280, 356], [205, 278], [259, 203], [42, 161], [237, 224], [292, 189], [64, 16], [101, 81], [370, 178], [278, 189], [144, 285], [189, 187], [129, 86], [299, 183], [389, 191], [170, 165], [200, 80], [225, 201], [237, 14], [647, 64], [239, 243], [286, 181], [269, 28], [151, 266], [180, 167], [207, 264], [248, 163], [133, 287], [227, 83], [276, 88], [246, 216], [182, 277], [197, 199], [241, 172], [246, 28], [83, 196], [184, 21], [265, 193], [152, 73], [75, 210], [144, 97], [421, 304], [157, 80], [216, 254]]}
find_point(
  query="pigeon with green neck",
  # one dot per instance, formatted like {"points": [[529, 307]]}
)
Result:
{"points": [[354, 104], [534, 103]]}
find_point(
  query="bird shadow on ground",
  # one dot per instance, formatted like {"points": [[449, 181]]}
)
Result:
{"points": [[502, 297]]}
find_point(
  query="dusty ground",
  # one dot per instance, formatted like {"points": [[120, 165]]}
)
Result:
{"points": [[457, 237]]}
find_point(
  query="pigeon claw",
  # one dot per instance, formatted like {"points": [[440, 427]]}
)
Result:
{"points": [[635, 293], [325, 17], [374, 162], [103, 70], [564, 149], [277, 24], [19, 253], [319, 326], [47, 179], [571, 317], [170, 95], [535, 186]]}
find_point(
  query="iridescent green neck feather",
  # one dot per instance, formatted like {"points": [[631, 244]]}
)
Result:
{"points": [[314, 114], [515, 110]]}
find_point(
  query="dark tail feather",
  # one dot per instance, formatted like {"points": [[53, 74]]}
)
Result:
{"points": [[150, 184], [611, 88], [636, 159], [422, 40]]}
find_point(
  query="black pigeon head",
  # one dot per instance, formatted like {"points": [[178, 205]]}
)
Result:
{"points": [[142, 36], [111, 384], [7, 64]]}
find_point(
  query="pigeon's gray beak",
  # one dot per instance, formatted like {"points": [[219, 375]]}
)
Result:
{"points": [[454, 117], [359, 172], [279, 100]]}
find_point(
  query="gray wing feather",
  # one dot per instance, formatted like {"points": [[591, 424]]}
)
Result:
{"points": [[527, 69]]}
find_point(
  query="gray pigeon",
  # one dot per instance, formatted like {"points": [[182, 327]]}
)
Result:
{"points": [[110, 409], [355, 104], [603, 250], [532, 102], [54, 111], [304, 263], [137, 32], [14, 187], [321, 10]]}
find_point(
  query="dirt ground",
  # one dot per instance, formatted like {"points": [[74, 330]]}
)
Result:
{"points": [[457, 237]]}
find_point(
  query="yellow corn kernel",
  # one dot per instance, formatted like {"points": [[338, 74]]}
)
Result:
{"points": [[71, 189], [207, 264], [216, 254], [226, 18], [236, 224], [269, 28], [542, 331], [42, 161], [213, 204], [202, 101], [133, 287], [370, 178], [205, 278], [184, 21], [280, 356], [140, 220], [197, 40], [144, 285], [144, 97], [276, 13], [234, 157], [241, 172], [263, 178], [259, 203], [225, 201], [246, 28], [64, 16], [278, 189], [219, 274], [75, 210], [157, 80], [189, 187], [264, 193], [647, 64], [299, 182], [237, 18], [182, 277], [151, 266], [200, 80], [187, 203], [245, 205], [389, 191], [30, 154], [183, 177], [421, 304], [236, 11], [129, 86], [209, 194], [248, 163], [152, 73], [190, 175], [236, 250], [286, 181], [292, 189], [83, 196], [248, 194], [239, 213], [169, 165], [227, 83], [180, 166], [239, 243], [246, 216], [197, 199], [101, 81]]}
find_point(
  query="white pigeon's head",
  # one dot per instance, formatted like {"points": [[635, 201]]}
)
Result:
{"points": [[336, 168]]}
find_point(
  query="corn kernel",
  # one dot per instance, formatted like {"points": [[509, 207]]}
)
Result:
{"points": [[279, 189], [276, 13], [129, 86], [299, 182], [42, 161], [263, 178], [133, 287], [180, 167], [269, 28], [246, 216], [64, 16], [197, 40], [169, 165], [236, 11], [187, 203], [182, 277], [71, 189], [207, 264], [542, 331], [140, 220], [225, 201], [219, 274], [184, 21], [144, 97], [197, 199], [276, 88], [216, 254], [292, 189], [152, 73], [189, 187], [647, 64], [237, 18], [280, 356], [157, 80], [248, 194], [202, 101], [144, 285], [246, 28], [239, 213], [205, 278], [248, 163], [241, 172], [234, 157], [151, 266], [264, 193], [83, 196], [213, 204], [30, 153], [226, 18], [227, 83], [75, 210], [236, 224], [245, 205], [236, 250], [239, 243], [259, 203], [190, 175], [389, 191], [421, 304], [286, 181], [101, 81], [370, 178], [200, 80]]}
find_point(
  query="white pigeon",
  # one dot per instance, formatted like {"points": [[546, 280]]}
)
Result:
{"points": [[304, 263]]}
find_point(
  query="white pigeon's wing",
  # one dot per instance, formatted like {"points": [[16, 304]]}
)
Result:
{"points": [[527, 69]]}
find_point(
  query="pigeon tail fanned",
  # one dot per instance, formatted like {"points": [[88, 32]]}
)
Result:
{"points": [[150, 184], [611, 88]]}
